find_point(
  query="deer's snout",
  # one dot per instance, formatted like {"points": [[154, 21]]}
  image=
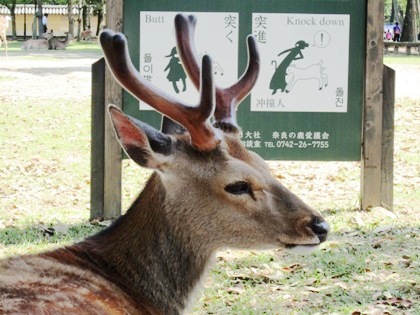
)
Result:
{"points": [[319, 227]]}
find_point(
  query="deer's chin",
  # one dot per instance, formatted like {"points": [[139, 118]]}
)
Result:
{"points": [[301, 249]]}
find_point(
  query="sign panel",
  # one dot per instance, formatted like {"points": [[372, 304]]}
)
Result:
{"points": [[307, 102], [300, 52], [216, 34]]}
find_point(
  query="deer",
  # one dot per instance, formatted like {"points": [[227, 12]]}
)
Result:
{"points": [[207, 192], [4, 24], [55, 44], [38, 44], [86, 35]]}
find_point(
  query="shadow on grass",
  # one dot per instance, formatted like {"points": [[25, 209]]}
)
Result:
{"points": [[39, 234], [56, 71], [73, 51]]}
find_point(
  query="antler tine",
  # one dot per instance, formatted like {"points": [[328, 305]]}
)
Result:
{"points": [[196, 119], [184, 30], [227, 99]]}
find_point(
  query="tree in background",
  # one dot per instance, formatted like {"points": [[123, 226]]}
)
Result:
{"points": [[39, 16], [70, 17], [409, 29], [408, 20], [396, 12], [98, 10], [86, 7]]}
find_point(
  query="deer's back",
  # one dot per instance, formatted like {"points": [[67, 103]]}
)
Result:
{"points": [[48, 284]]}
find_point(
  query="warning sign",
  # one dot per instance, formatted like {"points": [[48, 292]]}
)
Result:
{"points": [[216, 34], [304, 62]]}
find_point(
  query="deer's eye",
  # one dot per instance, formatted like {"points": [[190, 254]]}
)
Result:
{"points": [[239, 188]]}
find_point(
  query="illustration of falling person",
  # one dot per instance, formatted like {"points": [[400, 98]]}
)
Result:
{"points": [[278, 81], [176, 71]]}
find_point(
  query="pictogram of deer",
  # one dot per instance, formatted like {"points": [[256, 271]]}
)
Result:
{"points": [[207, 192]]}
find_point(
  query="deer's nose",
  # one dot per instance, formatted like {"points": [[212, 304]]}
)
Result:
{"points": [[320, 228]]}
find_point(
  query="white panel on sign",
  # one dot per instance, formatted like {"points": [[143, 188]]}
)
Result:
{"points": [[216, 34], [304, 62]]}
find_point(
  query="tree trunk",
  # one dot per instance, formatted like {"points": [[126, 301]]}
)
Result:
{"points": [[394, 12], [409, 27], [99, 11], [12, 13], [79, 19], [34, 22], [86, 16], [12, 8], [40, 26], [70, 16], [100, 19]]}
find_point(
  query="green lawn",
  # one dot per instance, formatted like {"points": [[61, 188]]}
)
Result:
{"points": [[402, 59]]}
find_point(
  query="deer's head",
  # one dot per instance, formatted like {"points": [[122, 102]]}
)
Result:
{"points": [[216, 191]]}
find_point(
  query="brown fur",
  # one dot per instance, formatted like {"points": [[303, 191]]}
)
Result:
{"points": [[36, 44], [237, 150], [57, 44], [44, 285], [4, 24], [86, 35]]}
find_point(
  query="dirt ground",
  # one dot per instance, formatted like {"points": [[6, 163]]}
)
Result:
{"points": [[51, 74], [44, 75]]}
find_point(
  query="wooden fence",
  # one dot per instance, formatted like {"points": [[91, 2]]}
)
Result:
{"points": [[408, 46]]}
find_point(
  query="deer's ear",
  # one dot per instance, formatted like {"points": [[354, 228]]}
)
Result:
{"points": [[143, 144]]}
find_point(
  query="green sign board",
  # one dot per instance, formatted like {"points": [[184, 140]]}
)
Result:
{"points": [[307, 102]]}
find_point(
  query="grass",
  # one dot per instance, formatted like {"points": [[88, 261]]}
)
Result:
{"points": [[370, 264], [402, 59]]}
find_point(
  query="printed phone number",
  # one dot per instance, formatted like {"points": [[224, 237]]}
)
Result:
{"points": [[297, 144]]}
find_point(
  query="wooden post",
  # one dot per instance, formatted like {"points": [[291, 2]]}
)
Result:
{"points": [[97, 144], [387, 182], [371, 169], [113, 95]]}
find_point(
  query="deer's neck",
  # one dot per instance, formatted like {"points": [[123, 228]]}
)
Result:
{"points": [[151, 256], [67, 39]]}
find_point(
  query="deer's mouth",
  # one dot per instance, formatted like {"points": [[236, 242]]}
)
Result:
{"points": [[301, 248], [312, 233], [291, 246]]}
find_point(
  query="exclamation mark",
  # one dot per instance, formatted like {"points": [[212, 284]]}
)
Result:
{"points": [[322, 39]]}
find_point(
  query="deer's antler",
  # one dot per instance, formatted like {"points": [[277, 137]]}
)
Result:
{"points": [[196, 119], [227, 99]]}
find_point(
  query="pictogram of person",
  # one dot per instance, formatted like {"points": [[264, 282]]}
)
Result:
{"points": [[278, 81], [176, 71]]}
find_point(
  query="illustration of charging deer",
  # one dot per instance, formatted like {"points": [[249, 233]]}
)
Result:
{"points": [[207, 193]]}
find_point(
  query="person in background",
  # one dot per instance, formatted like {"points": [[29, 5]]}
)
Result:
{"points": [[397, 32], [388, 35], [45, 22]]}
